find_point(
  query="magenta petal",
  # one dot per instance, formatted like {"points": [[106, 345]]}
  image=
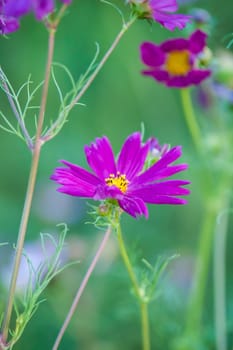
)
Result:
{"points": [[150, 174], [163, 5], [83, 191], [194, 77], [179, 81], [81, 173], [168, 171], [169, 157], [132, 156], [8, 25], [42, 8], [75, 180], [167, 200], [100, 157], [197, 41], [72, 185], [159, 74], [166, 188], [197, 76], [174, 45], [171, 21], [107, 192], [151, 54], [17, 8], [134, 206]]}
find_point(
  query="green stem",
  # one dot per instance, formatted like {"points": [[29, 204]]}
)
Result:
{"points": [[127, 263], [201, 274], [81, 289], [29, 195], [15, 110], [143, 304], [191, 119], [220, 278], [50, 133], [145, 326]]}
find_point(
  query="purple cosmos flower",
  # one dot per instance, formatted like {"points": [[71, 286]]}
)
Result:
{"points": [[8, 23], [186, 2], [12, 10], [201, 16], [175, 61], [214, 91], [124, 180], [161, 11], [156, 149]]}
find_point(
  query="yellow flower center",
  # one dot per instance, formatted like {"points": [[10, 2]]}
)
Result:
{"points": [[119, 180], [178, 62]]}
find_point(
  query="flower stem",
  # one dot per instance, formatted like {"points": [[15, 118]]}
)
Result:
{"points": [[145, 326], [143, 304], [127, 263], [220, 279], [29, 193], [81, 289], [191, 119], [201, 273], [15, 111], [49, 134]]}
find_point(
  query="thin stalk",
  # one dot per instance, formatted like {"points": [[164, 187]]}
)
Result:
{"points": [[220, 279], [81, 289], [128, 264], [191, 119], [137, 291], [29, 193], [201, 274], [145, 326], [124, 29], [16, 113]]}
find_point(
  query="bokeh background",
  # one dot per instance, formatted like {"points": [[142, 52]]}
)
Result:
{"points": [[119, 100]]}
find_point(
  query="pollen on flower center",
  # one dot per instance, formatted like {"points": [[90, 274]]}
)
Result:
{"points": [[178, 62], [119, 180]]}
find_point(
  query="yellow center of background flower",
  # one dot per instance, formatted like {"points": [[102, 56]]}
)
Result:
{"points": [[178, 62], [119, 181]]}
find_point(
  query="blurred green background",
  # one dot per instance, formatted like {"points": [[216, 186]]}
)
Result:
{"points": [[119, 100]]}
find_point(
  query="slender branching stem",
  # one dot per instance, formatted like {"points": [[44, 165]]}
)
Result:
{"points": [[124, 29], [81, 289], [29, 193], [136, 287], [126, 26], [15, 111]]}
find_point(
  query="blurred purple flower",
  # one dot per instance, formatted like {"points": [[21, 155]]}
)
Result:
{"points": [[222, 92], [186, 2], [203, 95], [175, 61], [12, 10], [156, 149], [214, 91], [8, 23], [161, 11], [124, 180], [201, 16]]}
